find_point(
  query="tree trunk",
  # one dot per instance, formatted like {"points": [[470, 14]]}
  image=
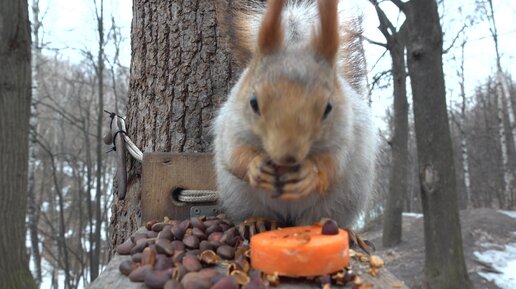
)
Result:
{"points": [[444, 258], [180, 72], [462, 123], [392, 221], [32, 205], [15, 101], [95, 256]]}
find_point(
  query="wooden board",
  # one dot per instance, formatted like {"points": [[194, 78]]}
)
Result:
{"points": [[164, 173]]}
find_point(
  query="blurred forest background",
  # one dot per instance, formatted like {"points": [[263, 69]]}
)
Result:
{"points": [[71, 174]]}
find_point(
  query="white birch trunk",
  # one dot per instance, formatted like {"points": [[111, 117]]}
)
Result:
{"points": [[503, 147]]}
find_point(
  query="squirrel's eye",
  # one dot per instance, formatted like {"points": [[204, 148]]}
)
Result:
{"points": [[254, 104], [327, 110]]}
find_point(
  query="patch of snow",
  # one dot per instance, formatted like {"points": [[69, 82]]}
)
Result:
{"points": [[511, 214], [504, 262], [412, 215]]}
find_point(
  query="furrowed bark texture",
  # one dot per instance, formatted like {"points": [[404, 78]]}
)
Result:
{"points": [[180, 73], [15, 97], [444, 258]]}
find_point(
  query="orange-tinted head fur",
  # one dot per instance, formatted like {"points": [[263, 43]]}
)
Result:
{"points": [[295, 89]]}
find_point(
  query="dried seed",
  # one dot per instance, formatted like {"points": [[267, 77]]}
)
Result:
{"points": [[215, 244], [191, 263], [140, 245], [199, 233], [178, 232], [178, 256], [205, 245], [151, 234], [213, 228], [138, 274], [197, 223], [209, 223], [163, 262], [148, 256], [376, 261], [273, 279], [178, 245], [185, 225], [179, 272], [194, 280], [235, 241], [156, 279], [150, 223], [172, 284], [164, 246], [215, 236], [228, 235], [209, 272], [240, 276], [191, 242], [126, 267], [137, 258], [330, 227], [209, 257], [340, 278], [226, 252], [226, 282], [125, 248], [138, 236], [256, 282], [166, 233], [194, 252], [324, 279], [158, 227]]}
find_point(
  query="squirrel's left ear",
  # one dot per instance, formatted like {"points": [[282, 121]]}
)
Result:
{"points": [[270, 35], [326, 41]]}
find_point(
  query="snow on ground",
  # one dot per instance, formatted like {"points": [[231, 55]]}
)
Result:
{"points": [[504, 262], [413, 215], [511, 214]]}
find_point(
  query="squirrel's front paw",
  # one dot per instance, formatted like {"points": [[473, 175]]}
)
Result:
{"points": [[261, 173], [301, 180]]}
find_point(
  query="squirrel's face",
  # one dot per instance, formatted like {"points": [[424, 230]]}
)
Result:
{"points": [[288, 117]]}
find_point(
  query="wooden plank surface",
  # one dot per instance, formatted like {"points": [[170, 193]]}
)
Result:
{"points": [[164, 173], [112, 278]]}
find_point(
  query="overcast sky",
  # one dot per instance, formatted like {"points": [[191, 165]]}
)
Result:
{"points": [[70, 27]]}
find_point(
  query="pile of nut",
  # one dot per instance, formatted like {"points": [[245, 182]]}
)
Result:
{"points": [[202, 253]]}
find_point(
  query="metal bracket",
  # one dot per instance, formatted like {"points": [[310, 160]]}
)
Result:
{"points": [[196, 211]]}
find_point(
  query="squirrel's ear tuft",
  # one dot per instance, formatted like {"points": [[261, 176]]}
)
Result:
{"points": [[326, 40], [270, 36]]}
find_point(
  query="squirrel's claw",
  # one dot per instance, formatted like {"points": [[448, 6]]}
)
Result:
{"points": [[254, 225], [300, 182], [260, 174]]}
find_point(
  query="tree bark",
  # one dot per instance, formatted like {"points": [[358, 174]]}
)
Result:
{"points": [[32, 205], [95, 255], [180, 72], [15, 101], [444, 258], [392, 220]]}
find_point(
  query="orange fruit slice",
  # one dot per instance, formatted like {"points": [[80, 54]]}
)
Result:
{"points": [[299, 251]]}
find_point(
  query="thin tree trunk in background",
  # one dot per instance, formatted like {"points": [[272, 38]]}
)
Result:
{"points": [[32, 205], [180, 72], [392, 221], [502, 137], [503, 94], [462, 123], [95, 261], [15, 102], [444, 257], [392, 217]]}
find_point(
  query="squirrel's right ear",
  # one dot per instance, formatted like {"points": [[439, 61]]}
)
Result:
{"points": [[270, 35]]}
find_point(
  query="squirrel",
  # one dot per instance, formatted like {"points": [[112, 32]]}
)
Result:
{"points": [[295, 141]]}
